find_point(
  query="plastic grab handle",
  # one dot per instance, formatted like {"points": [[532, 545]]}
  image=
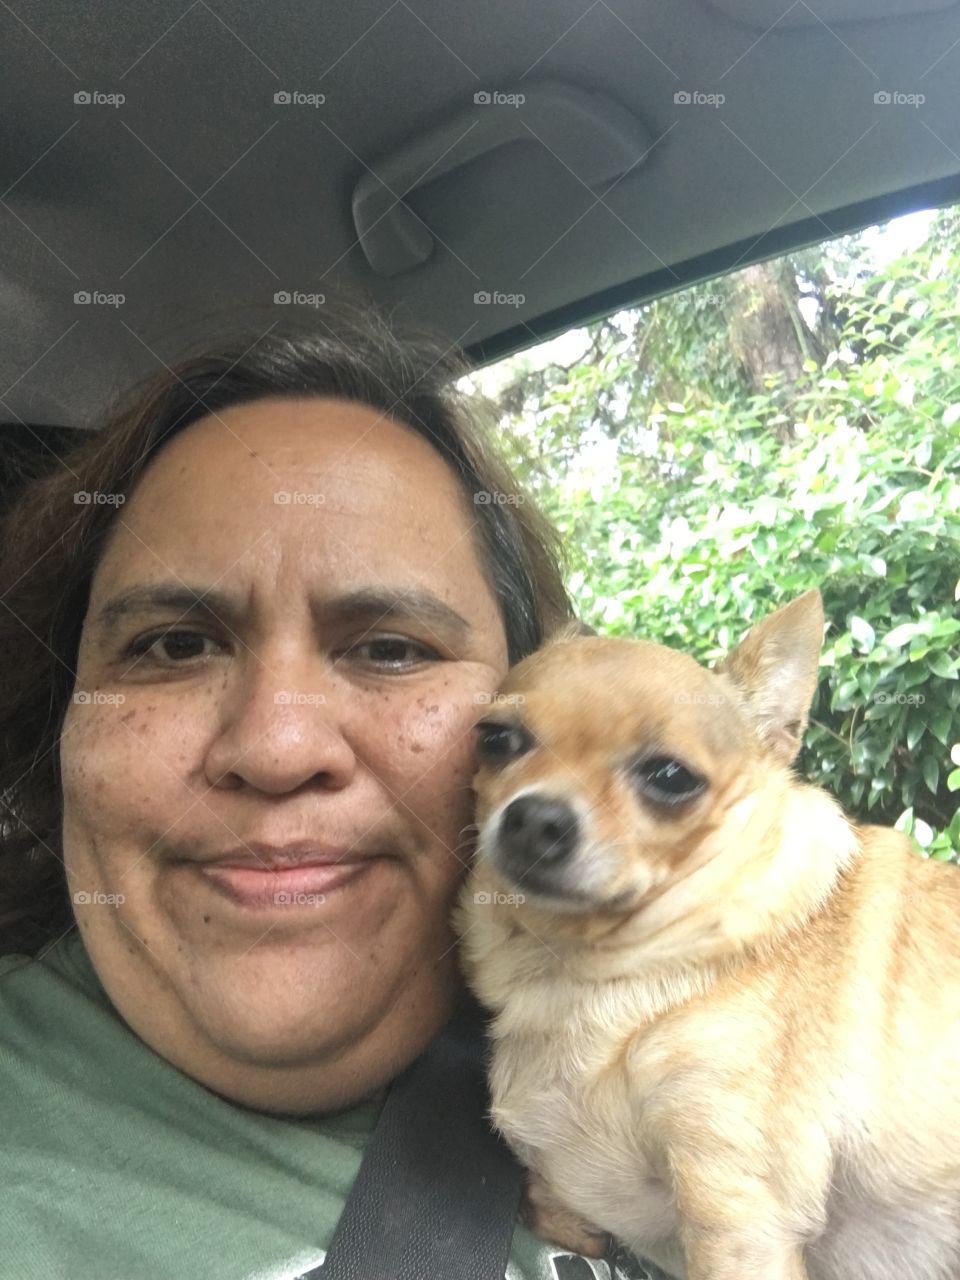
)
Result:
{"points": [[590, 133]]}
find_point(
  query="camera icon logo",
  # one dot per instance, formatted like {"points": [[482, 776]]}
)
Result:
{"points": [[482, 98], [482, 899], [481, 297], [82, 98], [882, 97], [682, 97], [282, 298], [282, 98], [82, 298]]}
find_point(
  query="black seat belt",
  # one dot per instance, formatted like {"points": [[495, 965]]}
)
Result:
{"points": [[437, 1193]]}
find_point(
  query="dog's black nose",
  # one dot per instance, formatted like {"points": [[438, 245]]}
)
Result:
{"points": [[536, 830]]}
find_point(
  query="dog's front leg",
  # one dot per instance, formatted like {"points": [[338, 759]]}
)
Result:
{"points": [[737, 1219], [731, 1254], [548, 1217]]}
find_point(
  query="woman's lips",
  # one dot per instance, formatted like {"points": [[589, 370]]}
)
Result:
{"points": [[283, 889]]}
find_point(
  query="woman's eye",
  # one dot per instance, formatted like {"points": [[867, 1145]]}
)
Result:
{"points": [[178, 647], [172, 647], [392, 651]]}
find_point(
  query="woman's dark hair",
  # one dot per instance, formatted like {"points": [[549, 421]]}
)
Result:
{"points": [[52, 541]]}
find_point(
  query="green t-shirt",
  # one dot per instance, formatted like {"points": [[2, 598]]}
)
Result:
{"points": [[114, 1165]]}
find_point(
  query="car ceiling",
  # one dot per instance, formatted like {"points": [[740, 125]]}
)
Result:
{"points": [[655, 144]]}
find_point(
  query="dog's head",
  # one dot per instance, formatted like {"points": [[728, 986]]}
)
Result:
{"points": [[619, 767]]}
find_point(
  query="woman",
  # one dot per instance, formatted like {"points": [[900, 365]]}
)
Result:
{"points": [[248, 628]]}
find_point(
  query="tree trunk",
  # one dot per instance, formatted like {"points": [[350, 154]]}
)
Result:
{"points": [[767, 333]]}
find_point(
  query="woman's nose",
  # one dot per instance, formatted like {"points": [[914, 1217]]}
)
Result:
{"points": [[278, 730]]}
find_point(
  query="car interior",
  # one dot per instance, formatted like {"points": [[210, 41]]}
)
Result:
{"points": [[497, 173]]}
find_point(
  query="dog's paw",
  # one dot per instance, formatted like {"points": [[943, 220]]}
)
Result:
{"points": [[548, 1218]]}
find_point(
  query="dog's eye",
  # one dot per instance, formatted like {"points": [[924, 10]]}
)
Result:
{"points": [[667, 781], [497, 743]]}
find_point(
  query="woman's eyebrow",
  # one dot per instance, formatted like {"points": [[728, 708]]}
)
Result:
{"points": [[378, 604], [364, 605], [187, 601]]}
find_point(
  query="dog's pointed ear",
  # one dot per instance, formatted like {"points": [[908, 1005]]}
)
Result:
{"points": [[775, 667], [569, 631]]}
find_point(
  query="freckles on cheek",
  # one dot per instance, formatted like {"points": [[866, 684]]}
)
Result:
{"points": [[116, 759], [432, 749]]}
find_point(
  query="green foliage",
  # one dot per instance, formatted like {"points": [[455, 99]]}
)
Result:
{"points": [[847, 480]]}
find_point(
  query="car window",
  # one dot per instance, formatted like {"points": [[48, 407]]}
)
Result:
{"points": [[792, 424]]}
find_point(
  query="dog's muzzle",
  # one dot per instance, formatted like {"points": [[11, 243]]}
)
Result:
{"points": [[537, 835]]}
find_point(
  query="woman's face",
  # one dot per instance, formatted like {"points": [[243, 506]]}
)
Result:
{"points": [[288, 640]]}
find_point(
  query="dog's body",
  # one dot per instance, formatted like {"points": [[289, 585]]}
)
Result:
{"points": [[727, 1024]]}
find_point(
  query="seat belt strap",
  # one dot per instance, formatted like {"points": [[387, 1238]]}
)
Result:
{"points": [[437, 1193]]}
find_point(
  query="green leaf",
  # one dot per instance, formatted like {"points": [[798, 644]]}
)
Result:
{"points": [[931, 773], [899, 636], [940, 724], [847, 692], [862, 633], [905, 822], [941, 665], [922, 833]]}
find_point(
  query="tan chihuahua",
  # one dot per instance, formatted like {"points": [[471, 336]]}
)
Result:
{"points": [[727, 1025]]}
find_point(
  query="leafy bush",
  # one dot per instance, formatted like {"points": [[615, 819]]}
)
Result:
{"points": [[848, 480]]}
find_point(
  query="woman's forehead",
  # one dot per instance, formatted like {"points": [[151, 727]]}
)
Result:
{"points": [[317, 435], [288, 488]]}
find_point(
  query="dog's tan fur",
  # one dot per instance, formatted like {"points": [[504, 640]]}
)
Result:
{"points": [[741, 1055]]}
